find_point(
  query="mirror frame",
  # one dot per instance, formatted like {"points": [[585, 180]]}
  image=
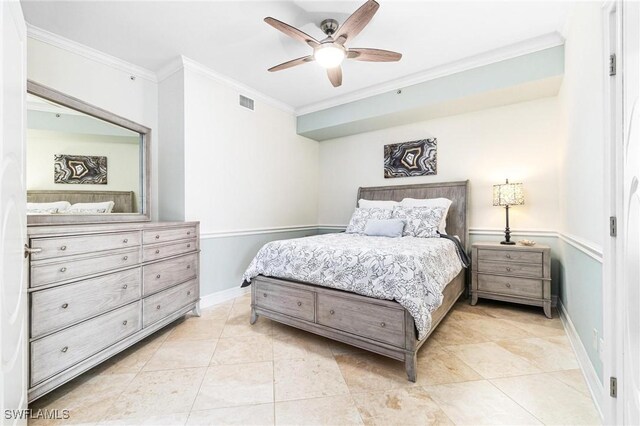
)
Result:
{"points": [[53, 95]]}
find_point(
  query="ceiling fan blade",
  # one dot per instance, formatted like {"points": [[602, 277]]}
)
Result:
{"points": [[292, 31], [292, 63], [373, 55], [335, 76], [356, 22]]}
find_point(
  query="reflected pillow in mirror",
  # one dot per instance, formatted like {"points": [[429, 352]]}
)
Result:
{"points": [[91, 208], [48, 208]]}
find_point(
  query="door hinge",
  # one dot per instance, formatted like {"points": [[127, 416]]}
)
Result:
{"points": [[613, 226], [613, 387], [612, 64]]}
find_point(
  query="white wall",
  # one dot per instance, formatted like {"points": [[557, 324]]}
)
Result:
{"points": [[122, 152], [99, 84], [519, 142], [244, 169]]}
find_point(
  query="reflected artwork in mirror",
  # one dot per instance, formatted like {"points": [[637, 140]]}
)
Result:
{"points": [[83, 164]]}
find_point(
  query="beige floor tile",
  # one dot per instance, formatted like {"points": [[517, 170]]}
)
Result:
{"points": [[133, 359], [154, 393], [492, 360], [300, 344], [494, 329], [244, 300], [238, 324], [478, 403], [573, 378], [548, 354], [453, 332], [409, 406], [248, 415], [536, 329], [369, 372], [520, 313], [217, 312], [241, 384], [87, 398], [550, 400], [165, 420], [333, 410], [437, 365], [179, 354], [196, 329], [307, 378], [241, 350]]}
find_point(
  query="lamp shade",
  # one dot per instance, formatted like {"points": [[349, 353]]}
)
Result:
{"points": [[508, 194]]}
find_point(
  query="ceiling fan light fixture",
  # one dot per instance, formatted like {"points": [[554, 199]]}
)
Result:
{"points": [[329, 55]]}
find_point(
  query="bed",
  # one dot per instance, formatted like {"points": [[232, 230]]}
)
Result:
{"points": [[123, 200], [382, 326]]}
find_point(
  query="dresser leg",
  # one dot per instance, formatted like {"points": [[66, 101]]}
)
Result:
{"points": [[547, 309], [196, 310], [474, 299], [411, 365], [254, 317]]}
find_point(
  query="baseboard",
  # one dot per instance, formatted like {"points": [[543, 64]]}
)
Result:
{"points": [[591, 377], [222, 296]]}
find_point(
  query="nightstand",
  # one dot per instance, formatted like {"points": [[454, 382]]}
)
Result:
{"points": [[517, 273]]}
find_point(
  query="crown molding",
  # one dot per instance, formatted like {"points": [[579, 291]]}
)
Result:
{"points": [[536, 44], [45, 36]]}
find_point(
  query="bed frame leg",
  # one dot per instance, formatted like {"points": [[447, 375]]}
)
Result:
{"points": [[254, 316], [411, 364]]}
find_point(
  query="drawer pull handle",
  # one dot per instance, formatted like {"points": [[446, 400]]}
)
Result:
{"points": [[299, 303], [63, 269], [188, 245], [124, 322], [188, 232], [508, 269], [188, 293], [382, 324], [125, 241], [508, 256], [66, 348], [158, 307], [63, 248], [158, 276], [264, 294], [188, 266], [124, 287], [125, 258], [65, 305], [157, 237], [508, 285], [332, 312], [157, 251]]}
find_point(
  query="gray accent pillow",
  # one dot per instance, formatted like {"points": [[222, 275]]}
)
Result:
{"points": [[362, 216], [384, 228]]}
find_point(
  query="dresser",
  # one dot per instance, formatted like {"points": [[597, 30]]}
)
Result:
{"points": [[95, 290], [516, 273]]}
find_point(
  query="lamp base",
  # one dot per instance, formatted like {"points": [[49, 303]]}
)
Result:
{"points": [[508, 243]]}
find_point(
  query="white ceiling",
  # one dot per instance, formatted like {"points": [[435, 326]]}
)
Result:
{"points": [[230, 37]]}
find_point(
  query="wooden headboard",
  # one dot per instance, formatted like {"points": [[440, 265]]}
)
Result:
{"points": [[454, 191], [124, 200]]}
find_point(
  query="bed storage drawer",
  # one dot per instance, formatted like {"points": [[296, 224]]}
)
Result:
{"points": [[58, 351], [58, 307], [364, 319], [165, 303], [511, 286], [165, 274], [160, 251], [511, 268], [83, 244], [510, 256], [152, 236], [285, 300]]}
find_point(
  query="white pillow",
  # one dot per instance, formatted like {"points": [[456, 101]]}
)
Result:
{"points": [[377, 204], [91, 208], [361, 216], [431, 202], [55, 207], [421, 222]]}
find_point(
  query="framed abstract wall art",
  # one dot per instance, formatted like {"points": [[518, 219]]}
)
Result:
{"points": [[80, 169], [415, 158]]}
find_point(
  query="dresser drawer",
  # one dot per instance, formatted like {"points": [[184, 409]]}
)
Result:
{"points": [[58, 307], [510, 256], [511, 268], [161, 275], [520, 287], [372, 321], [162, 304], [159, 251], [49, 272], [153, 236], [61, 350], [83, 244], [286, 300]]}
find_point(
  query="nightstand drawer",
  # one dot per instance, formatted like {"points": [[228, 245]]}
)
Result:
{"points": [[510, 256], [520, 287], [511, 268]]}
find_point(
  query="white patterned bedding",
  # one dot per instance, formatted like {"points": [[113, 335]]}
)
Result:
{"points": [[412, 271]]}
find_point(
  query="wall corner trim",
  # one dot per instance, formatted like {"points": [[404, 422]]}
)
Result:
{"points": [[218, 297], [90, 53], [591, 377]]}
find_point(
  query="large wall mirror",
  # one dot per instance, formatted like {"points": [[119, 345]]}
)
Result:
{"points": [[84, 164]]}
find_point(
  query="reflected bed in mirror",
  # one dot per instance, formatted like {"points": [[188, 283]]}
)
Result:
{"points": [[84, 164]]}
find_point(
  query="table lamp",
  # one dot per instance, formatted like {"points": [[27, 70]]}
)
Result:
{"points": [[508, 194]]}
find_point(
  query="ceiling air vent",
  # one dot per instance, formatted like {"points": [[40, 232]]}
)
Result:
{"points": [[246, 102]]}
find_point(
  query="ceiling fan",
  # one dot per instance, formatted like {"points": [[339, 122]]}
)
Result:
{"points": [[330, 52]]}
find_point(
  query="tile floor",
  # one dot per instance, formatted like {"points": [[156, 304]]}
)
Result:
{"points": [[488, 364]]}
